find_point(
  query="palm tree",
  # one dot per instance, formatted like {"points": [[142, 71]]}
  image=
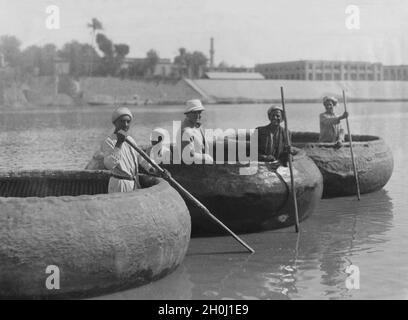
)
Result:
{"points": [[94, 25]]}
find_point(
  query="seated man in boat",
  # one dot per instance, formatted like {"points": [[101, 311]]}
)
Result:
{"points": [[193, 142], [272, 142], [120, 157], [330, 127]]}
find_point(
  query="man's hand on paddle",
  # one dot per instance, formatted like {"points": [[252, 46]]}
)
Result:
{"points": [[121, 138], [344, 115]]}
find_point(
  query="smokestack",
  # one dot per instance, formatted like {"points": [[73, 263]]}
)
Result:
{"points": [[212, 53]]}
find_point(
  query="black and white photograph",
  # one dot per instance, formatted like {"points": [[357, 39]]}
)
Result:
{"points": [[220, 151]]}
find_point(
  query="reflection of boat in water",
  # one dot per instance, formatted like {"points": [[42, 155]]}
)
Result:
{"points": [[348, 232], [374, 163], [217, 273], [175, 286], [100, 242], [209, 276]]}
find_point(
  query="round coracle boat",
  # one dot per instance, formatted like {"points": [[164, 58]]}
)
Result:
{"points": [[373, 159], [246, 197], [256, 201], [62, 235]]}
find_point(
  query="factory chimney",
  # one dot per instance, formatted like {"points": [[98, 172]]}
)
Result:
{"points": [[212, 54]]}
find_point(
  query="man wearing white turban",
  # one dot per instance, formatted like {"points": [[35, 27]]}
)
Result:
{"points": [[330, 127], [193, 142], [272, 141], [120, 158]]}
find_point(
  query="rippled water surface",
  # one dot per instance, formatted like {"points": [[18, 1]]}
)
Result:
{"points": [[369, 234]]}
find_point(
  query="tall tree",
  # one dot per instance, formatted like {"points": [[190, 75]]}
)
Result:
{"points": [[94, 25], [107, 67], [31, 60], [10, 47], [121, 50], [181, 61], [190, 64], [198, 63], [79, 55], [152, 59], [48, 55], [105, 45]]}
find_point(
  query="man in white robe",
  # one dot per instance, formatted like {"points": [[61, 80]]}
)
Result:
{"points": [[120, 157], [330, 126]]}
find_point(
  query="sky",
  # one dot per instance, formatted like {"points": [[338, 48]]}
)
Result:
{"points": [[245, 32]]}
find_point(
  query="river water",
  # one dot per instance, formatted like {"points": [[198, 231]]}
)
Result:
{"points": [[347, 249]]}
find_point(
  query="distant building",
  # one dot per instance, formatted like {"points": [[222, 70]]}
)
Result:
{"points": [[395, 73], [234, 76], [321, 70], [163, 68], [127, 62], [221, 68]]}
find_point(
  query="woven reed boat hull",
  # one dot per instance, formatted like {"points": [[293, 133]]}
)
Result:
{"points": [[100, 242], [373, 158], [249, 203]]}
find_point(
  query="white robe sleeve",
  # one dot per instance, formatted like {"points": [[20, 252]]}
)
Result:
{"points": [[111, 154]]}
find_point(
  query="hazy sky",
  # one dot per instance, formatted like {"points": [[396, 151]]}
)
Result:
{"points": [[245, 31]]}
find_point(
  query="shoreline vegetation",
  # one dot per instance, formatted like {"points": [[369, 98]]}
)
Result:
{"points": [[68, 91]]}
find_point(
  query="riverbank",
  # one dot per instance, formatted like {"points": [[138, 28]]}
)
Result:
{"points": [[67, 91], [41, 91]]}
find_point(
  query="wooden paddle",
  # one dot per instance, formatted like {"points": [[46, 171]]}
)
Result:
{"points": [[292, 180], [351, 149], [186, 193]]}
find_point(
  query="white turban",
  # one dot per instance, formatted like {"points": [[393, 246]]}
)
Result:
{"points": [[160, 132], [121, 111], [333, 99], [273, 108]]}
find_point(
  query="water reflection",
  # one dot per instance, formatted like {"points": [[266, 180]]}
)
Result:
{"points": [[286, 265], [176, 286], [342, 229]]}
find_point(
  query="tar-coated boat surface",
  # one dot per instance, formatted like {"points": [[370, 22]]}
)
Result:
{"points": [[373, 158]]}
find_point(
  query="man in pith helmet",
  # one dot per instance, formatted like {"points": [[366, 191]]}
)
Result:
{"points": [[193, 140]]}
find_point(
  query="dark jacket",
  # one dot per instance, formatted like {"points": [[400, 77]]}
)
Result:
{"points": [[272, 144]]}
